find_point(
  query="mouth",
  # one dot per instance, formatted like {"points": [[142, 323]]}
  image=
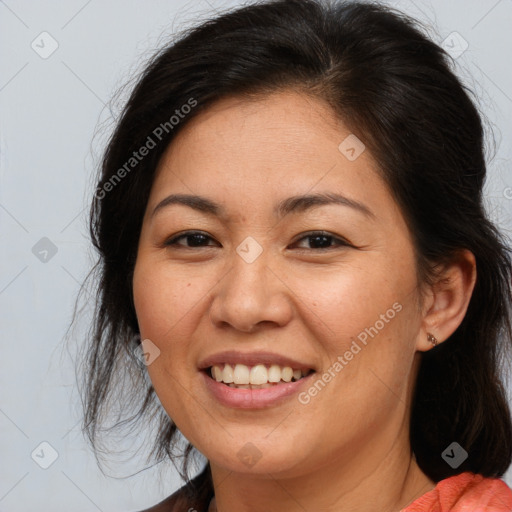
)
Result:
{"points": [[254, 380], [259, 376]]}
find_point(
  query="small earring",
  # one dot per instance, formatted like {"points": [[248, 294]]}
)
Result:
{"points": [[432, 339]]}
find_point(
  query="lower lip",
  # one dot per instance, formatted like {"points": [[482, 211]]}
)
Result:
{"points": [[254, 398]]}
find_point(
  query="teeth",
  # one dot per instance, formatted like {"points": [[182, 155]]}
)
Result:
{"points": [[241, 374], [227, 374], [256, 377], [287, 374], [217, 374], [274, 373], [250, 386]]}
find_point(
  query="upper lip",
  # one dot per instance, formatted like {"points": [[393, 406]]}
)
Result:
{"points": [[233, 357]]}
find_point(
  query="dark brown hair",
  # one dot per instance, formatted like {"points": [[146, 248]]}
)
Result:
{"points": [[395, 89]]}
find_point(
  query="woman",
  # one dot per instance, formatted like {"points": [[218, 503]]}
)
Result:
{"points": [[290, 217]]}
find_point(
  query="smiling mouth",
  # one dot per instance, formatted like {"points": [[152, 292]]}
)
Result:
{"points": [[259, 376]]}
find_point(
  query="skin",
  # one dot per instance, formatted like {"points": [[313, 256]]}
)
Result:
{"points": [[348, 448]]}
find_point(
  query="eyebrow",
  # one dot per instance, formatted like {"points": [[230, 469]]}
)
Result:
{"points": [[294, 204]]}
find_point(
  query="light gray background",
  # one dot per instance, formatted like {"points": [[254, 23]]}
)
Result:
{"points": [[50, 110]]}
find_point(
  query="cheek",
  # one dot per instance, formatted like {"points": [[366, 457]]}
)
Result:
{"points": [[162, 298], [170, 305], [164, 305], [354, 301], [367, 315]]}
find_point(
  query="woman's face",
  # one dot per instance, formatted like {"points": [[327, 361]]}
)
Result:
{"points": [[260, 288]]}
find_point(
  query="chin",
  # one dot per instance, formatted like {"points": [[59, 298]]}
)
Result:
{"points": [[257, 455]]}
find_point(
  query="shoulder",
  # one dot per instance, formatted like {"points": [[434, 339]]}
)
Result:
{"points": [[192, 497], [466, 491]]}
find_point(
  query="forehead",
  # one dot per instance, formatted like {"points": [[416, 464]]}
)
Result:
{"points": [[284, 138], [254, 158]]}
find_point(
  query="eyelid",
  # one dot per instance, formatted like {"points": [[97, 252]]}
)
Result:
{"points": [[341, 241], [173, 239]]}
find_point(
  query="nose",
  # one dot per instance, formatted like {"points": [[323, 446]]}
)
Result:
{"points": [[251, 296]]}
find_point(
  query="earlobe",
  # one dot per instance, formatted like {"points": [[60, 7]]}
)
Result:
{"points": [[432, 339], [449, 299]]}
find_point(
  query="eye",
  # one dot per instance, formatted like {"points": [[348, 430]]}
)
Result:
{"points": [[195, 239], [323, 241], [320, 240]]}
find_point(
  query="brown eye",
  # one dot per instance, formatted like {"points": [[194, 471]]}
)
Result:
{"points": [[323, 240], [193, 238]]}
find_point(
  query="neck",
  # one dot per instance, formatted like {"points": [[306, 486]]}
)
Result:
{"points": [[387, 478]]}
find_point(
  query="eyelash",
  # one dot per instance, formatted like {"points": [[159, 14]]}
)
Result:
{"points": [[341, 242]]}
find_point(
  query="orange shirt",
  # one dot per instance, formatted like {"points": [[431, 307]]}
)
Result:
{"points": [[466, 492]]}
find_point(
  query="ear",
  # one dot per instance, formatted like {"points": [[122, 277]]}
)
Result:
{"points": [[447, 299]]}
